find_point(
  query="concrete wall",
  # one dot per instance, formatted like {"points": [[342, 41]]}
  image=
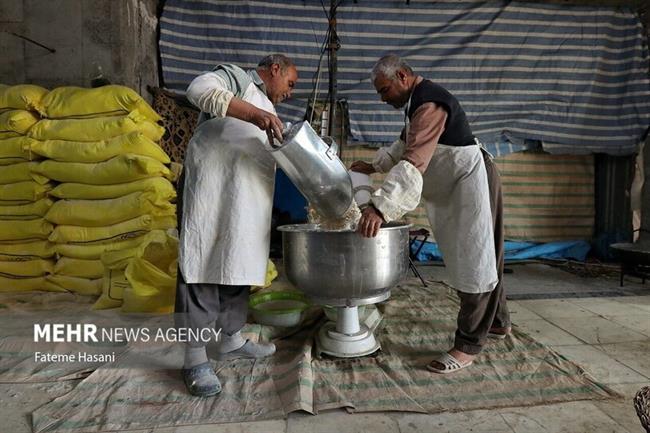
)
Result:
{"points": [[118, 36]]}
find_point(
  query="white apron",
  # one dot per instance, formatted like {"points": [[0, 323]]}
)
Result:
{"points": [[227, 201], [457, 200]]}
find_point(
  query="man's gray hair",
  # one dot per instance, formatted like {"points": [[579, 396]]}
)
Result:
{"points": [[388, 66], [279, 59]]}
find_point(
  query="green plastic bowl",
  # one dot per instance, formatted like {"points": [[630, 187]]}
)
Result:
{"points": [[278, 308]]}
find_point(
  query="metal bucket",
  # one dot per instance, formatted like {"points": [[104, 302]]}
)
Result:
{"points": [[342, 268], [315, 169]]}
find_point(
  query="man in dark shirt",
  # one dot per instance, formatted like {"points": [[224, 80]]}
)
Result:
{"points": [[437, 159]]}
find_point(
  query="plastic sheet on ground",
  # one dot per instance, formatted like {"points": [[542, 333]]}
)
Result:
{"points": [[143, 388]]}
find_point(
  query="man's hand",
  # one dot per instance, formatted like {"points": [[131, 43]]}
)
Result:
{"points": [[242, 110], [370, 222], [362, 167], [267, 121]]}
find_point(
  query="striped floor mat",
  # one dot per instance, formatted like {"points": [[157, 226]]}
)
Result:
{"points": [[144, 389]]}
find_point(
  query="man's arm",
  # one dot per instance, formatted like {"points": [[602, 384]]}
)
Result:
{"points": [[400, 193], [425, 129], [214, 93]]}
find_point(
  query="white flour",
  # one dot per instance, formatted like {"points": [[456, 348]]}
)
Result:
{"points": [[347, 221]]}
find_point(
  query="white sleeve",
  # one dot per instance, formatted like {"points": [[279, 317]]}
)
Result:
{"points": [[387, 157], [210, 93], [400, 193]]}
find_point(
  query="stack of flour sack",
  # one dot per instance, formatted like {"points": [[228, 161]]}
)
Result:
{"points": [[86, 202]]}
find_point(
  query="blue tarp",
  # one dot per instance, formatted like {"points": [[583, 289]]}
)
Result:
{"points": [[574, 78], [576, 250]]}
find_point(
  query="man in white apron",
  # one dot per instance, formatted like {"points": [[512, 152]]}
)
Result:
{"points": [[438, 159], [226, 202]]}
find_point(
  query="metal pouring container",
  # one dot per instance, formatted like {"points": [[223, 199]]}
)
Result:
{"points": [[315, 169]]}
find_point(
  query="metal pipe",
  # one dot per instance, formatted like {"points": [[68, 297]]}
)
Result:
{"points": [[332, 67]]}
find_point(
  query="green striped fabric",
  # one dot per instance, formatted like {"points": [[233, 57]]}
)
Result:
{"points": [[144, 390], [546, 197]]}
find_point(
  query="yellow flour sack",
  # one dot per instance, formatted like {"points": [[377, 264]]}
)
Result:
{"points": [[29, 229], [19, 251], [97, 213], [27, 191], [120, 169], [163, 189], [17, 121], [101, 101], [82, 286], [113, 285], [81, 268], [95, 129], [93, 251], [119, 259], [152, 278], [21, 172], [11, 134], [26, 211], [97, 151], [16, 149], [22, 97], [27, 285], [27, 268], [64, 234]]}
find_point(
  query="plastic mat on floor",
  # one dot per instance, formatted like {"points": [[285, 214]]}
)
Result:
{"points": [[144, 389]]}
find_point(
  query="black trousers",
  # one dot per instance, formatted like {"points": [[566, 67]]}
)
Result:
{"points": [[203, 305], [481, 311]]}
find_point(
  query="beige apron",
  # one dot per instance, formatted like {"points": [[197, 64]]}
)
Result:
{"points": [[457, 200], [227, 201]]}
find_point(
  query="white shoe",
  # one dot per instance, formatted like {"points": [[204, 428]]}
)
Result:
{"points": [[248, 350]]}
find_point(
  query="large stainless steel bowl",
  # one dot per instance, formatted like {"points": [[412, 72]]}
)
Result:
{"points": [[342, 268]]}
